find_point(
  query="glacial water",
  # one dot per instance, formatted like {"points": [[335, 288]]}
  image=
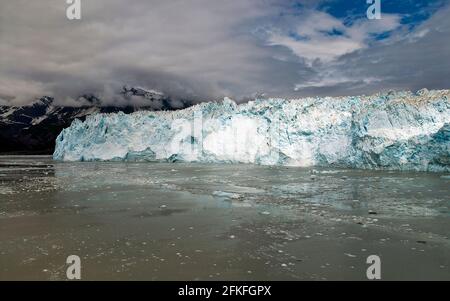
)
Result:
{"points": [[187, 221]]}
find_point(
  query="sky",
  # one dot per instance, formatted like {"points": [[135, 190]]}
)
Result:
{"points": [[207, 49]]}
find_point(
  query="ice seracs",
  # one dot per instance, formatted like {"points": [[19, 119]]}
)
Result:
{"points": [[402, 131]]}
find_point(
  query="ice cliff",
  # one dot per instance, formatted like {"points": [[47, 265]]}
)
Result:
{"points": [[401, 131]]}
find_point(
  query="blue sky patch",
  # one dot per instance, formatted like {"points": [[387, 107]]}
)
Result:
{"points": [[413, 12]]}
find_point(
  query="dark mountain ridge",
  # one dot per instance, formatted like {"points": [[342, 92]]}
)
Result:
{"points": [[32, 129]]}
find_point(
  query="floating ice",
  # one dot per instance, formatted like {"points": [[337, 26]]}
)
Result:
{"points": [[402, 131]]}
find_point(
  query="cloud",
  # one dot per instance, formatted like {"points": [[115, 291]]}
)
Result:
{"points": [[207, 49], [28, 90], [320, 36], [406, 61], [195, 49]]}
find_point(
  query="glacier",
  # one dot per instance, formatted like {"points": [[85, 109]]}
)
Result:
{"points": [[393, 130]]}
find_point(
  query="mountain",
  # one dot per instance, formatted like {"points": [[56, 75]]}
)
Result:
{"points": [[33, 128]]}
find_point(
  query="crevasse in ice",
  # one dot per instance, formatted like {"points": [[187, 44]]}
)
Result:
{"points": [[401, 131]]}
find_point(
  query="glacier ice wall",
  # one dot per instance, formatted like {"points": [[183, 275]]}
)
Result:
{"points": [[401, 131]]}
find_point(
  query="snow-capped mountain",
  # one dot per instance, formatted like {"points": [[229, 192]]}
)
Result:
{"points": [[402, 131], [34, 128]]}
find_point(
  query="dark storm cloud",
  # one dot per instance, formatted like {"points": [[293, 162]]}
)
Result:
{"points": [[204, 49], [198, 48]]}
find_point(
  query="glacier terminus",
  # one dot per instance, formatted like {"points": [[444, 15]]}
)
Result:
{"points": [[394, 130]]}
